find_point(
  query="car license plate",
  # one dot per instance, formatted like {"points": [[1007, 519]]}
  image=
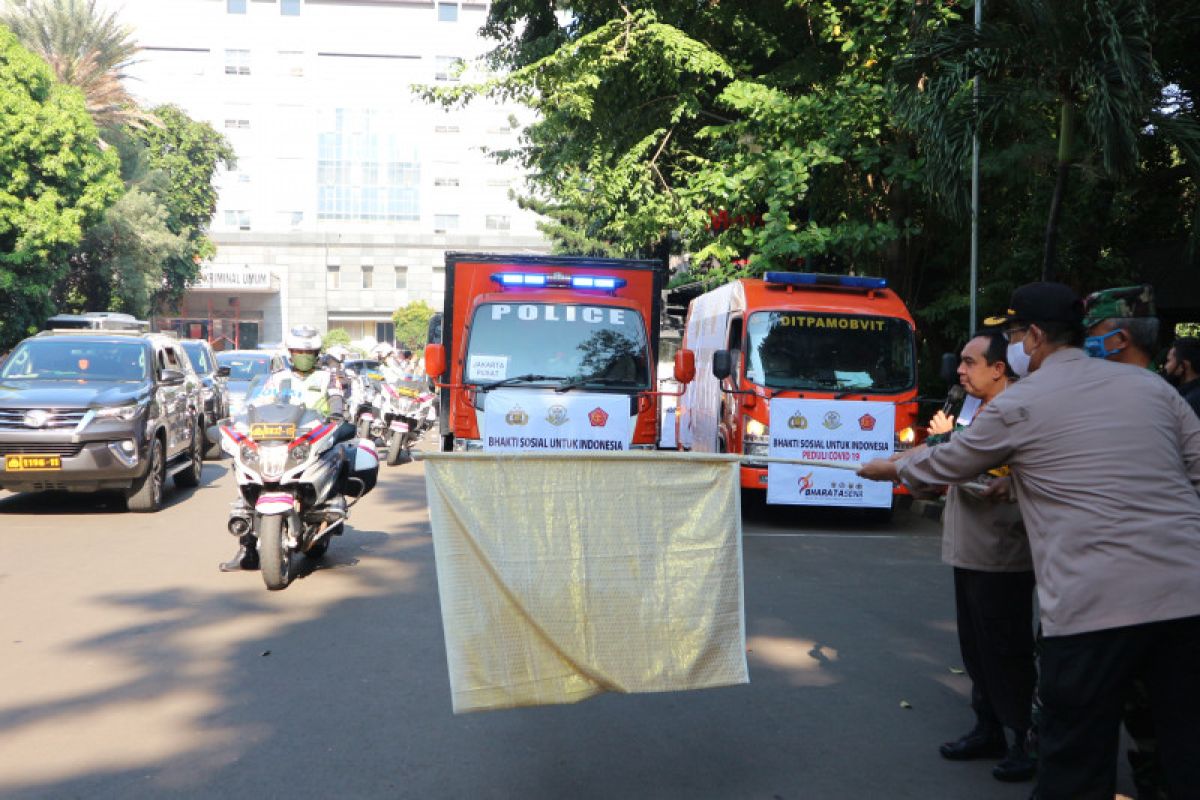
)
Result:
{"points": [[400, 426], [32, 463], [272, 432]]}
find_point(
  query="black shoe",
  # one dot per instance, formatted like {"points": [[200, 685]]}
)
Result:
{"points": [[979, 743], [1017, 766], [246, 558]]}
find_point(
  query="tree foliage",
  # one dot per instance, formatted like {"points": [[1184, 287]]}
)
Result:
{"points": [[54, 182], [86, 47], [412, 324]]}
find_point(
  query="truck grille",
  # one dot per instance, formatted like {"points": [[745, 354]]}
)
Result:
{"points": [[64, 449], [13, 419]]}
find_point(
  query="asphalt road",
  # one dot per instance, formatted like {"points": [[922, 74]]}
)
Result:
{"points": [[132, 668]]}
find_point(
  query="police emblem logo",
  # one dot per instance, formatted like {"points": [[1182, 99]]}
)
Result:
{"points": [[557, 415], [866, 423], [516, 416], [832, 421], [797, 421], [598, 417]]}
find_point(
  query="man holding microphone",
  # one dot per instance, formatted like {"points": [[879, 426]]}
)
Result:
{"points": [[1105, 465]]}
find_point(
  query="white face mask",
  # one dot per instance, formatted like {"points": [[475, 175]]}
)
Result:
{"points": [[1018, 359]]}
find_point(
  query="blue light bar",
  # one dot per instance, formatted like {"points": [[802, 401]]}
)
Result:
{"points": [[603, 282], [818, 279], [520, 279]]}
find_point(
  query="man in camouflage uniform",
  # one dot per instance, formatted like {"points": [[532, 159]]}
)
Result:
{"points": [[1121, 325]]}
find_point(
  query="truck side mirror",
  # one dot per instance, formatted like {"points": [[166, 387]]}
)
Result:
{"points": [[722, 365], [685, 366], [433, 334], [435, 360], [949, 371], [171, 377]]}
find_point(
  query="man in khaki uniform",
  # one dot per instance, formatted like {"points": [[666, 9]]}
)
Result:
{"points": [[984, 540], [1106, 468]]}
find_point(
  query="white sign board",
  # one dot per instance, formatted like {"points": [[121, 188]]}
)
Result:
{"points": [[487, 368], [848, 432], [524, 420]]}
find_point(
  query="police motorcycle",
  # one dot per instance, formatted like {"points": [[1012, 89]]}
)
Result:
{"points": [[294, 470]]}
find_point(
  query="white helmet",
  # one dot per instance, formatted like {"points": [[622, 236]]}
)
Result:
{"points": [[303, 337], [338, 352], [382, 350]]}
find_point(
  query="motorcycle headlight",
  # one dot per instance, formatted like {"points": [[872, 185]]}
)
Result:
{"points": [[249, 455], [298, 454]]}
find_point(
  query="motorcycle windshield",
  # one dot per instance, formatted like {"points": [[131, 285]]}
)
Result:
{"points": [[281, 414]]}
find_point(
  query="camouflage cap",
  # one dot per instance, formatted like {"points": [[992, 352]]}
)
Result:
{"points": [[1119, 303]]}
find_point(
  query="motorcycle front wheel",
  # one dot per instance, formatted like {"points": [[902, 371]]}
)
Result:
{"points": [[274, 558], [396, 448]]}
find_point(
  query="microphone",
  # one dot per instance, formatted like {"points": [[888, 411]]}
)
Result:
{"points": [[953, 397]]}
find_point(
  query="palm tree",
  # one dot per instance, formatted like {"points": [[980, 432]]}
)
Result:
{"points": [[86, 48], [1079, 73]]}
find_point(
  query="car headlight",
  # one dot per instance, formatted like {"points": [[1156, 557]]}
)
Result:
{"points": [[123, 413], [755, 437], [905, 438]]}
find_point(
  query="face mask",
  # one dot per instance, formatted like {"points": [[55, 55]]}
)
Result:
{"points": [[303, 362], [1095, 345], [1018, 359]]}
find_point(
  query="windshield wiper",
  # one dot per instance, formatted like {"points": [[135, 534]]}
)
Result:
{"points": [[517, 379], [575, 383]]}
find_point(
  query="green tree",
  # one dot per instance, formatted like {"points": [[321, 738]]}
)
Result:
{"points": [[86, 47], [412, 324], [188, 153], [54, 181], [335, 336]]}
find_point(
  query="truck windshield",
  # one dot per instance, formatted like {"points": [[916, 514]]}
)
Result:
{"points": [[829, 352], [74, 360], [563, 342]]}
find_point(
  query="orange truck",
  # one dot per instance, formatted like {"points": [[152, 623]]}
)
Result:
{"points": [[542, 353], [802, 367]]}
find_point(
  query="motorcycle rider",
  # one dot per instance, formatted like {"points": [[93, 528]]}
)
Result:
{"points": [[306, 384]]}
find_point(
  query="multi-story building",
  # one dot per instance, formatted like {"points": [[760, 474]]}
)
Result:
{"points": [[349, 188]]}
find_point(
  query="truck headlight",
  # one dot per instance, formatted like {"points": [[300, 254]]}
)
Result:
{"points": [[756, 437], [905, 438]]}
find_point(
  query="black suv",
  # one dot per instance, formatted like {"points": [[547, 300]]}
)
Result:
{"points": [[85, 411], [212, 386]]}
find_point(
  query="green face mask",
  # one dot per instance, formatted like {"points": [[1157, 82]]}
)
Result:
{"points": [[303, 362]]}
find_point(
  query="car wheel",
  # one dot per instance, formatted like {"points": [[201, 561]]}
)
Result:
{"points": [[146, 495], [190, 477]]}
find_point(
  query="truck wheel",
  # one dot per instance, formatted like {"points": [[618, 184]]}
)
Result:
{"points": [[274, 559], [190, 477], [146, 494]]}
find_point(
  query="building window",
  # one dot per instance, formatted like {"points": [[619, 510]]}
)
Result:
{"points": [[445, 182], [439, 279], [297, 218], [497, 222], [444, 222], [385, 331], [368, 277], [447, 12], [237, 62], [333, 277], [497, 182], [445, 129], [238, 219], [235, 6], [241, 124], [289, 8], [448, 68], [401, 277], [367, 168]]}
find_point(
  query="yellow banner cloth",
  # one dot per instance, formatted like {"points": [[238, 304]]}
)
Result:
{"points": [[564, 575]]}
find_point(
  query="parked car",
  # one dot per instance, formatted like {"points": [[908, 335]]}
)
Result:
{"points": [[248, 370], [213, 388], [89, 410]]}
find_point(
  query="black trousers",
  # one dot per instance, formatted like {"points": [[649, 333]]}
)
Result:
{"points": [[995, 635], [1085, 680]]}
